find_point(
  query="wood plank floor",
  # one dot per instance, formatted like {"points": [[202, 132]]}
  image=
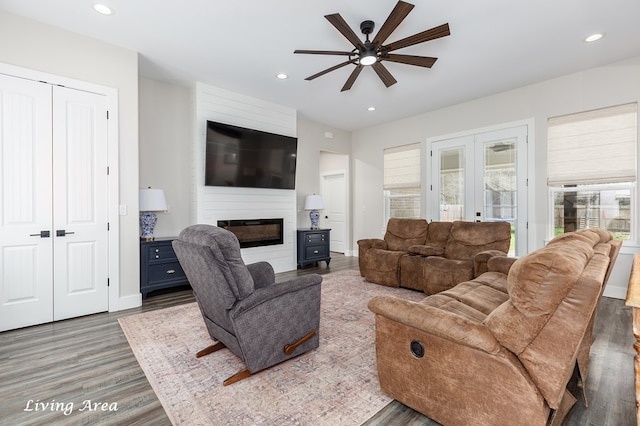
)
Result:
{"points": [[88, 358]]}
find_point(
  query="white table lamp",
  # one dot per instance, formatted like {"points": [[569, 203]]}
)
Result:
{"points": [[313, 203], [151, 201]]}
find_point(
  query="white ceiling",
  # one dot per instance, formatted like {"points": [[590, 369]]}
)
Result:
{"points": [[240, 45]]}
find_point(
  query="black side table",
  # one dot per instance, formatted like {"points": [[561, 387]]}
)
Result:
{"points": [[159, 266], [313, 246]]}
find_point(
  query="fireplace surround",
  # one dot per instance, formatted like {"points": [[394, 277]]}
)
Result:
{"points": [[255, 232]]}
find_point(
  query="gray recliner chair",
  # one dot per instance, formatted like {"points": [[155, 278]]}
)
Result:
{"points": [[260, 321]]}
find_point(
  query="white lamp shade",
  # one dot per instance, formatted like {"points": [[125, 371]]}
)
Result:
{"points": [[313, 202], [152, 200]]}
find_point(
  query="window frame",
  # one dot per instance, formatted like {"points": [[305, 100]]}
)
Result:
{"points": [[602, 184]]}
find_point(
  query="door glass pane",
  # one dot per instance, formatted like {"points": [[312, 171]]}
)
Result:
{"points": [[452, 196], [500, 184]]}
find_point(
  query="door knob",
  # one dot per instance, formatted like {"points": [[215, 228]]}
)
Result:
{"points": [[62, 232]]}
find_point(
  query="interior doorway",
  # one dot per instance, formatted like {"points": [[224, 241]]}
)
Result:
{"points": [[334, 191]]}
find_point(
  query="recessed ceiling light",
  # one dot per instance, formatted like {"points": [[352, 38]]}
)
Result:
{"points": [[282, 76], [594, 37], [371, 108], [103, 9]]}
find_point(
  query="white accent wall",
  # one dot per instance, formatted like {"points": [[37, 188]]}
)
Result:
{"points": [[211, 203]]}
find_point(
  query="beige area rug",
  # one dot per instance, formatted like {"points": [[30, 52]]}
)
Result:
{"points": [[335, 384]]}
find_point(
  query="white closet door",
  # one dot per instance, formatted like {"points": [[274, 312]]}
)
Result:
{"points": [[79, 203], [26, 269]]}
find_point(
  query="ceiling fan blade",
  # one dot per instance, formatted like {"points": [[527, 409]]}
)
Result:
{"points": [[397, 15], [323, 52], [432, 34], [384, 74], [333, 68], [421, 61], [352, 78], [340, 24]]}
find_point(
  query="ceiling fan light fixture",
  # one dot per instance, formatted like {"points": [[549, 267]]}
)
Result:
{"points": [[368, 58]]}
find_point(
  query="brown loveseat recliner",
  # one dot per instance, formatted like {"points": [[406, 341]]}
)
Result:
{"points": [[467, 248], [432, 256], [501, 348]]}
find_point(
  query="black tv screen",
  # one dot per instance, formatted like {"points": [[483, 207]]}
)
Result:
{"points": [[240, 157]]}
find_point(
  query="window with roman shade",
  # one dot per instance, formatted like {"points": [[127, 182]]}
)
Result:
{"points": [[402, 175], [590, 147], [592, 170]]}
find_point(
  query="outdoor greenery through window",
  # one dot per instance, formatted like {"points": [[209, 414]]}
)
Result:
{"points": [[402, 181], [592, 170]]}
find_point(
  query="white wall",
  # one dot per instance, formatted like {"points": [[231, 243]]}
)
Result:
{"points": [[222, 203], [613, 84], [166, 119], [30, 44], [314, 139]]}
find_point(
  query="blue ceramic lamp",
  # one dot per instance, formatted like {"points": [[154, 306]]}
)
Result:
{"points": [[151, 201], [313, 203]]}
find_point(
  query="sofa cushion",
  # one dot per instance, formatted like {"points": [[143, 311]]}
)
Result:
{"points": [[475, 294], [466, 239], [537, 283], [438, 234], [442, 274], [455, 306], [403, 233]]}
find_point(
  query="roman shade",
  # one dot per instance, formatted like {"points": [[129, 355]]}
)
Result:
{"points": [[402, 167], [593, 147]]}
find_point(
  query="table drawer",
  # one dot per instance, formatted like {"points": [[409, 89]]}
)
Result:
{"points": [[317, 251], [161, 252], [316, 238], [165, 271]]}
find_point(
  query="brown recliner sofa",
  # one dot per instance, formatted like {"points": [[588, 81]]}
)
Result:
{"points": [[501, 348], [467, 247], [431, 256]]}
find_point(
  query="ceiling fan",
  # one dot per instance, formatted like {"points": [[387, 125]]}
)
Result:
{"points": [[372, 53]]}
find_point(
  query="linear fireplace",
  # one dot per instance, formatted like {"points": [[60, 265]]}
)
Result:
{"points": [[255, 232]]}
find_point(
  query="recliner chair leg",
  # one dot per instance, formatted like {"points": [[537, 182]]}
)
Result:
{"points": [[288, 349], [210, 349], [237, 377]]}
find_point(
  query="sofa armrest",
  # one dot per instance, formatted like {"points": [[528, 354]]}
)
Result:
{"points": [[500, 264], [371, 243], [480, 260], [438, 322], [262, 274], [423, 250]]}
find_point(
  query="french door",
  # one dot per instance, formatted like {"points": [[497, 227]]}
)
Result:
{"points": [[482, 177], [53, 203]]}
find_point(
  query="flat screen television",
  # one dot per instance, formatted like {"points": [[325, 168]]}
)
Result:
{"points": [[240, 157]]}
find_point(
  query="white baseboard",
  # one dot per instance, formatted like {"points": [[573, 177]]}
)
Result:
{"points": [[615, 292]]}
